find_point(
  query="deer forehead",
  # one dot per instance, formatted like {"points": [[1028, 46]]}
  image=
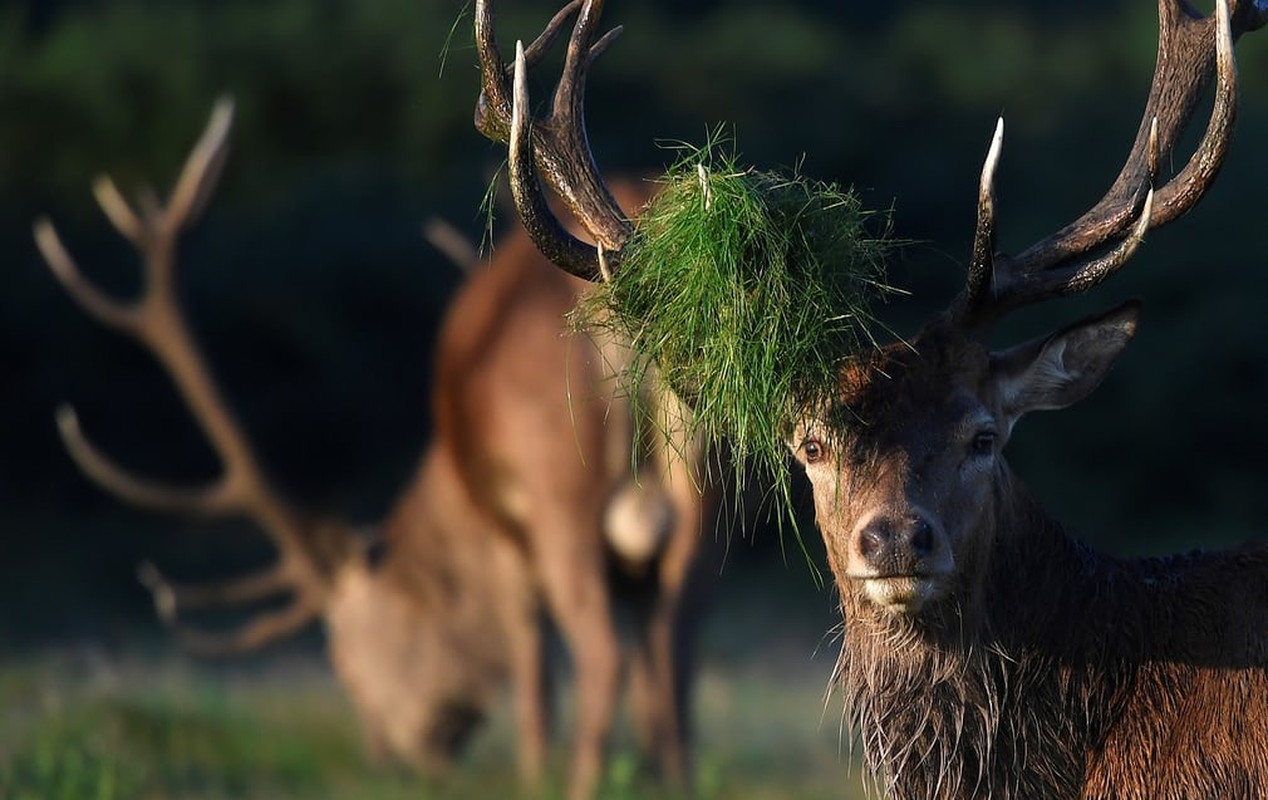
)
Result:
{"points": [[914, 435], [912, 398]]}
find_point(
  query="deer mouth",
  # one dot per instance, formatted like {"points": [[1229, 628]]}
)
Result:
{"points": [[451, 732], [902, 594]]}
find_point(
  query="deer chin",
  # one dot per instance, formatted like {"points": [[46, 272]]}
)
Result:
{"points": [[904, 594]]}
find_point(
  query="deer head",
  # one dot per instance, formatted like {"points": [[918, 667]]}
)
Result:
{"points": [[906, 465]]}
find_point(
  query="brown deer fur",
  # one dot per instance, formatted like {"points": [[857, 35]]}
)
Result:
{"points": [[1045, 669], [495, 345], [500, 531]]}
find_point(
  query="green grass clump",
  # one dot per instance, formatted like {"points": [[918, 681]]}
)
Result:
{"points": [[748, 290]]}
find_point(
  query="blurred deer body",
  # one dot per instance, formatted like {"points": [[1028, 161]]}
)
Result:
{"points": [[592, 506], [986, 653], [503, 524]]}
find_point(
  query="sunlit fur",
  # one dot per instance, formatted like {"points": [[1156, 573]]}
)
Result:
{"points": [[526, 507], [1045, 669], [540, 432]]}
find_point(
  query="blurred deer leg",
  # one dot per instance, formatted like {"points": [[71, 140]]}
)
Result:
{"points": [[375, 742], [530, 678], [596, 656], [652, 703], [581, 606], [642, 704], [670, 632], [654, 693], [669, 670], [666, 649], [531, 684]]}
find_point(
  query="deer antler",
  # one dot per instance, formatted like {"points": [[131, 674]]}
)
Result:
{"points": [[170, 599], [453, 243], [555, 145], [156, 321], [1191, 51]]}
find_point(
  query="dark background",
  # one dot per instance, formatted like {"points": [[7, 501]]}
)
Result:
{"points": [[316, 297]]}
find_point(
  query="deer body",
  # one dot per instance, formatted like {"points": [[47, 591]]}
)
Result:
{"points": [[537, 499], [582, 533]]}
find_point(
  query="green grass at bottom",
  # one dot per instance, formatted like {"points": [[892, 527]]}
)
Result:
{"points": [[173, 729]]}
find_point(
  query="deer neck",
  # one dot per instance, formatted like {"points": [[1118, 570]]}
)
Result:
{"points": [[948, 701]]}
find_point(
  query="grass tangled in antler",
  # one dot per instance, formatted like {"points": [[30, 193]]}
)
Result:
{"points": [[748, 290]]}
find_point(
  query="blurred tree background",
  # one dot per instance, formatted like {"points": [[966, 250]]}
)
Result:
{"points": [[317, 298]]}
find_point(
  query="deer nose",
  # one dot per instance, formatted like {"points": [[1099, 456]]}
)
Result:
{"points": [[896, 545], [921, 537]]}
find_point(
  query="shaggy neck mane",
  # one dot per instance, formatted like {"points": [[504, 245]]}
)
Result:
{"points": [[1009, 691]]}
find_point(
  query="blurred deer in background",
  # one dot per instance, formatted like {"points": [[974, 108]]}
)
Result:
{"points": [[536, 498], [986, 653]]}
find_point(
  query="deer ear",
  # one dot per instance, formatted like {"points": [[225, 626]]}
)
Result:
{"points": [[1063, 368]]}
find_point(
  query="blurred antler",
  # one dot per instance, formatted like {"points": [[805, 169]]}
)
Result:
{"points": [[156, 321], [171, 599], [450, 241]]}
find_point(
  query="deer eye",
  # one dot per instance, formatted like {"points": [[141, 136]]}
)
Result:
{"points": [[814, 450], [983, 444]]}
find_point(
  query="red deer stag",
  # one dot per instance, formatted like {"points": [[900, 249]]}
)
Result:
{"points": [[986, 652], [525, 505]]}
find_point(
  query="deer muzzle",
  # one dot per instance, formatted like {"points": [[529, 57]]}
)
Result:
{"points": [[902, 559]]}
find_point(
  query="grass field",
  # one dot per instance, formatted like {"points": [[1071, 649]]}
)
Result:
{"points": [[83, 726]]}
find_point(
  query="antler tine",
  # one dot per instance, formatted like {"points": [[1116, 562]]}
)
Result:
{"points": [[1075, 258], [170, 599], [1183, 192], [556, 146], [118, 210], [993, 287], [569, 100], [251, 635], [107, 311], [1186, 64], [493, 110], [982, 265], [589, 198], [455, 246], [215, 499], [202, 169]]}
